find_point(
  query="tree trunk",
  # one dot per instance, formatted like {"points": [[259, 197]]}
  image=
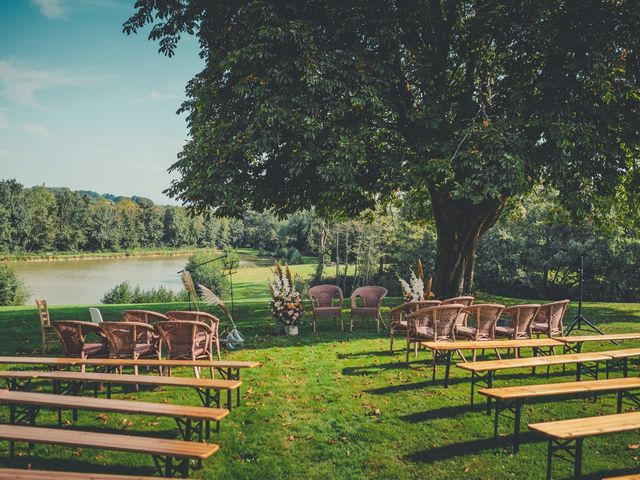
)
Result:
{"points": [[322, 247], [459, 224]]}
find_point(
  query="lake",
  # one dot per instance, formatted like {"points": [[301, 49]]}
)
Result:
{"points": [[64, 282]]}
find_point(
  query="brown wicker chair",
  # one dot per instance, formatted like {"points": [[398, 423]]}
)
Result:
{"points": [[204, 317], [466, 301], [326, 302], [519, 327], [48, 333], [398, 323], [548, 321], [73, 339], [124, 341], [485, 318], [186, 340], [434, 323], [371, 297], [143, 316]]}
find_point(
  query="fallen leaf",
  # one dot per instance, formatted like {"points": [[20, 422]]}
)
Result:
{"points": [[634, 446]]}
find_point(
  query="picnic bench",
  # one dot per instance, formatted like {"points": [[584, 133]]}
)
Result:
{"points": [[192, 421], [633, 476], [573, 344], [444, 350], [484, 372], [21, 380], [15, 474], [229, 370], [171, 457], [512, 399], [568, 435]]}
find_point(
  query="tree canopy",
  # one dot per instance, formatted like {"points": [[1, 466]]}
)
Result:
{"points": [[456, 104]]}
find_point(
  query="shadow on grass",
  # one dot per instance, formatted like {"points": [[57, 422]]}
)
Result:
{"points": [[32, 461], [473, 447], [374, 353], [444, 412]]}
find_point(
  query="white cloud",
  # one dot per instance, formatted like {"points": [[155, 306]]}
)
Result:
{"points": [[37, 129], [161, 97], [50, 8], [20, 85], [60, 9], [4, 121]]}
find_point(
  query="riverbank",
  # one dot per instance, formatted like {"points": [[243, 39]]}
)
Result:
{"points": [[137, 253]]}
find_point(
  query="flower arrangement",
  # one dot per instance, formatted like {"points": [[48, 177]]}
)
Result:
{"points": [[414, 290], [286, 306]]}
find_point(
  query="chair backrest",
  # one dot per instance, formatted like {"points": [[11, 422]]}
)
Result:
{"points": [[442, 318], [122, 337], [401, 311], [553, 314], [179, 337], [466, 301], [96, 316], [43, 312], [486, 316], [371, 296], [72, 335], [143, 316], [195, 316], [523, 316], [325, 295]]}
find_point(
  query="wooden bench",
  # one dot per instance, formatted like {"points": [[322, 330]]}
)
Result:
{"points": [[444, 350], [171, 457], [573, 344], [229, 370], [568, 435], [511, 399], [24, 407], [76, 380], [15, 474], [633, 476], [484, 372]]}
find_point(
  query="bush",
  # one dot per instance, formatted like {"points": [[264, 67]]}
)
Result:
{"points": [[294, 256], [124, 293], [210, 275], [12, 289]]}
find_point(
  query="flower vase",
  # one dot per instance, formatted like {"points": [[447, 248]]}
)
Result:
{"points": [[291, 329]]}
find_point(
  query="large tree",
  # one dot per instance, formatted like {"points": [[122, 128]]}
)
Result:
{"points": [[456, 105]]}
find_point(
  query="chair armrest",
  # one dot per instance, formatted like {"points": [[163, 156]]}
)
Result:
{"points": [[354, 300]]}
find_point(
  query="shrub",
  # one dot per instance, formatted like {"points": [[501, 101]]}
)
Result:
{"points": [[210, 275], [294, 256], [12, 289], [124, 293]]}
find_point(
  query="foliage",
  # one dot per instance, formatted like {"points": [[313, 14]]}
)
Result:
{"points": [[207, 272], [286, 304], [124, 293], [339, 105], [12, 289]]}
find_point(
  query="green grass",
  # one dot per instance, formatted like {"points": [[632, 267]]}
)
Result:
{"points": [[336, 405]]}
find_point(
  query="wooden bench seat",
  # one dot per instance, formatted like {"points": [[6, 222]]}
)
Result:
{"points": [[23, 409], [228, 369], [171, 456], [633, 476], [203, 386], [484, 372], [568, 435], [15, 474], [511, 399], [573, 343], [445, 350]]}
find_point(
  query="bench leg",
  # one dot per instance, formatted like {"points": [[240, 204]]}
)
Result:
{"points": [[447, 369], [577, 466]]}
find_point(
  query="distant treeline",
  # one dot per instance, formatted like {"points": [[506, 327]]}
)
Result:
{"points": [[40, 219]]}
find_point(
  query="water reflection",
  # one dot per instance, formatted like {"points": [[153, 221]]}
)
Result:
{"points": [[85, 281]]}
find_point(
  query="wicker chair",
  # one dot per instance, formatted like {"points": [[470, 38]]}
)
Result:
{"points": [[466, 301], [143, 316], [47, 331], [434, 323], [204, 317], [124, 341], [398, 323], [326, 302], [519, 327], [485, 318], [371, 297], [186, 340], [73, 339], [548, 321]]}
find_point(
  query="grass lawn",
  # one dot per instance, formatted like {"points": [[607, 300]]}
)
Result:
{"points": [[336, 405]]}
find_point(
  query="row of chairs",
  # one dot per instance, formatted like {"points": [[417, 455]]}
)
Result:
{"points": [[433, 320], [189, 335]]}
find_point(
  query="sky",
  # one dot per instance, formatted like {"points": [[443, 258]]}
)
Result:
{"points": [[84, 106]]}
